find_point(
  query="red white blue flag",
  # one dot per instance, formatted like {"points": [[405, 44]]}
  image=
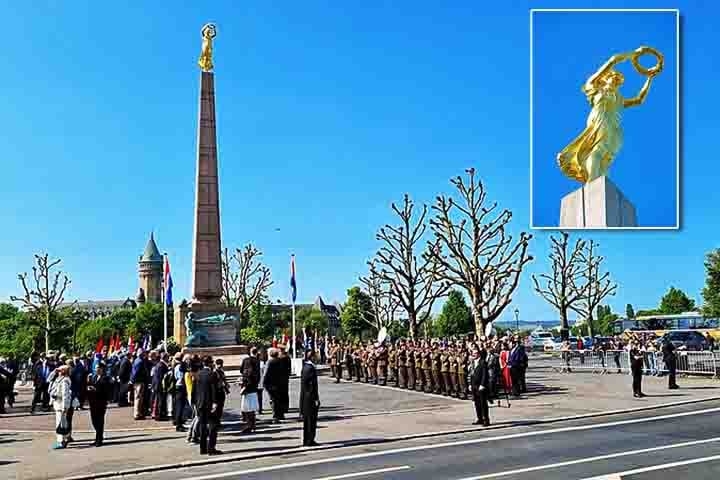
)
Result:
{"points": [[293, 284], [168, 283]]}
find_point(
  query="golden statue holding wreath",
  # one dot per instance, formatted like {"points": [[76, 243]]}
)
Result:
{"points": [[208, 34], [590, 155]]}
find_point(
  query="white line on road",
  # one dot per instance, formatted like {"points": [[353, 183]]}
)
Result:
{"points": [[453, 444], [365, 473], [619, 475], [593, 459]]}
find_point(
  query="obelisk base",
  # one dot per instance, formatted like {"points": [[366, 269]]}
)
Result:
{"points": [[597, 204]]}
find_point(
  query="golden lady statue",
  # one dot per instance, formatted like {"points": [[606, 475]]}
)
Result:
{"points": [[208, 33], [590, 155]]}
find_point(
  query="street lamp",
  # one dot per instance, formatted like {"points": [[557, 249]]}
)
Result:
{"points": [[517, 321]]}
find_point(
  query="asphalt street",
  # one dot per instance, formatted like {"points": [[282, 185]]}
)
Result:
{"points": [[636, 446]]}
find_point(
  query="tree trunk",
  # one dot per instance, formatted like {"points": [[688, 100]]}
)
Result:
{"points": [[47, 330], [564, 327], [412, 326], [478, 320], [589, 320]]}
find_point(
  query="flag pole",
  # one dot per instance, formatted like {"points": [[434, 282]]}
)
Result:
{"points": [[294, 338], [164, 300]]}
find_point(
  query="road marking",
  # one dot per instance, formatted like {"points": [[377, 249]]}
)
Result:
{"points": [[593, 459], [365, 473], [619, 475], [453, 444]]}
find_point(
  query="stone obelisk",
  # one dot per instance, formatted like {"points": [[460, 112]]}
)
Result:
{"points": [[206, 267]]}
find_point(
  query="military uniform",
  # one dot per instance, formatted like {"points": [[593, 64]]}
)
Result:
{"points": [[402, 366], [427, 369], [435, 370], [393, 365], [419, 377], [336, 360], [445, 371], [452, 372], [410, 365], [382, 364], [349, 362], [357, 361], [462, 361]]}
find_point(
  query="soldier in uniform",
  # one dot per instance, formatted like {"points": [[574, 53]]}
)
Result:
{"points": [[419, 374], [336, 359], [349, 362], [382, 363], [435, 368], [462, 359], [410, 365], [371, 364], [357, 361], [427, 369], [452, 370], [393, 364], [402, 365], [445, 370]]}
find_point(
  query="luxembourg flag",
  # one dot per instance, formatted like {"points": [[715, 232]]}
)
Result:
{"points": [[168, 282], [293, 284]]}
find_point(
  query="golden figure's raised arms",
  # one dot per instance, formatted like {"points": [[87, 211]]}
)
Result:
{"points": [[209, 31], [590, 155]]}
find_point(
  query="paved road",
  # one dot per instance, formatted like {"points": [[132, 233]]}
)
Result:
{"points": [[572, 450]]}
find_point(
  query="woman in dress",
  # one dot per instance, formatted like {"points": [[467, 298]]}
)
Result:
{"points": [[589, 156], [506, 378], [249, 382]]}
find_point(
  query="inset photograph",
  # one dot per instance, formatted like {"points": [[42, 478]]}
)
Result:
{"points": [[604, 119]]}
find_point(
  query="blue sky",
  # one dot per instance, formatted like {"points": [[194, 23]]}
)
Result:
{"points": [[326, 113], [568, 48]]}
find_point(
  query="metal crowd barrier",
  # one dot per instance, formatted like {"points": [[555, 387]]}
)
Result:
{"points": [[618, 361]]}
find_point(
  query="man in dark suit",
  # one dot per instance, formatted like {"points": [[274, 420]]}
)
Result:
{"points": [[668, 352], [515, 362], [99, 390], [637, 363], [273, 382], [309, 400], [480, 386], [284, 383], [204, 397]]}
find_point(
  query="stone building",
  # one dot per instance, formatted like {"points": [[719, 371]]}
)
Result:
{"points": [[332, 312], [150, 275]]}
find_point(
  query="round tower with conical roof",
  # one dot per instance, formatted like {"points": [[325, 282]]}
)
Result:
{"points": [[150, 272]]}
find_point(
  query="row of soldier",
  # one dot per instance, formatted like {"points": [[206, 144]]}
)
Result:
{"points": [[427, 366]]}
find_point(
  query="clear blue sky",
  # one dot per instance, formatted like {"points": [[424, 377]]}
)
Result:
{"points": [[327, 112], [568, 48]]}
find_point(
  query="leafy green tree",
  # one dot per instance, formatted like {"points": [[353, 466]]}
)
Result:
{"points": [[711, 292], [398, 329], [312, 320], [648, 313], [358, 306], [261, 320], [629, 311], [606, 320], [148, 320], [17, 334], [675, 301], [455, 317], [91, 331]]}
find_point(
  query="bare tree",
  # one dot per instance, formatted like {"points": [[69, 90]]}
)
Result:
{"points": [[384, 304], [480, 256], [415, 283], [245, 278], [562, 288], [47, 291], [595, 286]]}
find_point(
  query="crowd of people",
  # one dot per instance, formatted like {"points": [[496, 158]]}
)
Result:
{"points": [[443, 367]]}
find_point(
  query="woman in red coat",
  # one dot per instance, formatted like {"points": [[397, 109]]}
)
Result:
{"points": [[506, 378]]}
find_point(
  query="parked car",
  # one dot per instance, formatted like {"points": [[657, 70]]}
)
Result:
{"points": [[691, 341], [552, 345], [538, 338]]}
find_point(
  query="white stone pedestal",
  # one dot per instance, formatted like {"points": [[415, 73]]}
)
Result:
{"points": [[598, 204]]}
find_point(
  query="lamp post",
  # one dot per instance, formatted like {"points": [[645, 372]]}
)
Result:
{"points": [[517, 320]]}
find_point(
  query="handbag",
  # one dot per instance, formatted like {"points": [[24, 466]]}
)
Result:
{"points": [[63, 427]]}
